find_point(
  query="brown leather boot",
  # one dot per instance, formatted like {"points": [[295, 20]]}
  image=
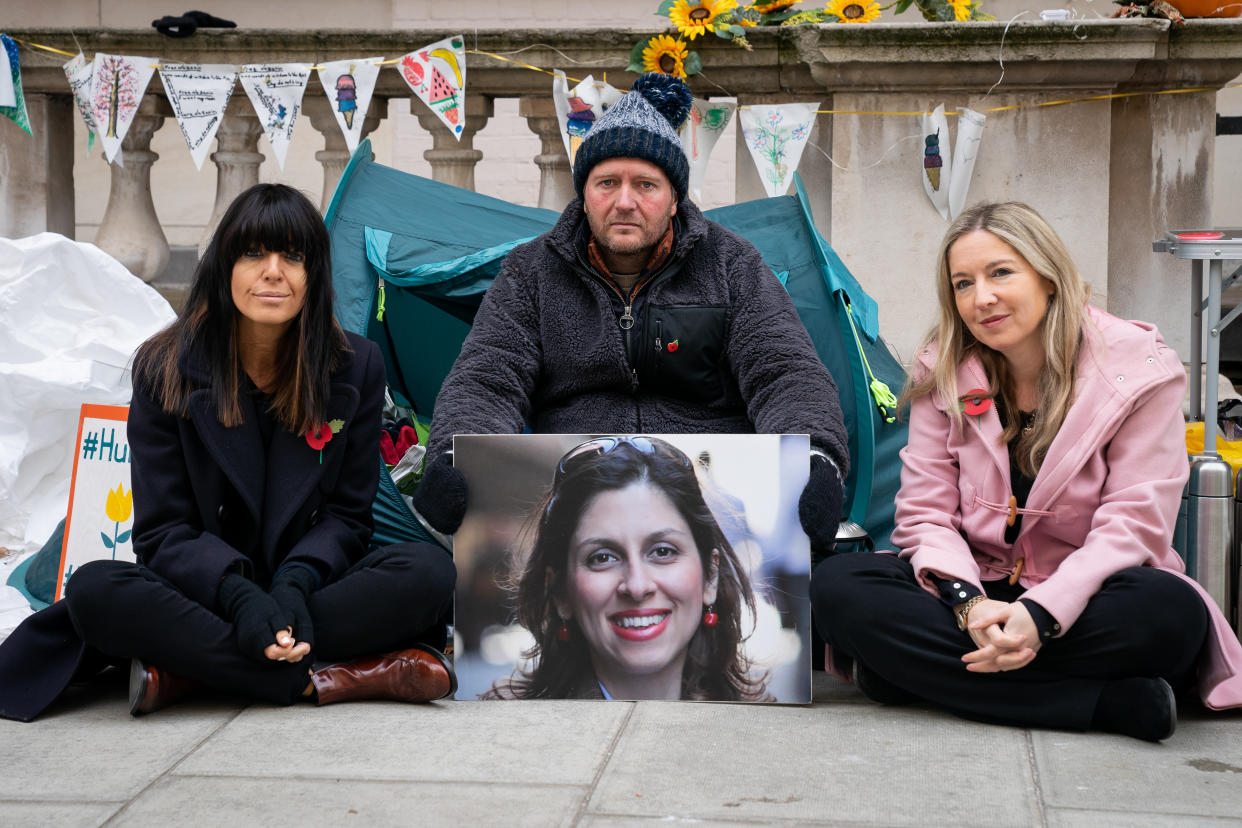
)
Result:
{"points": [[419, 674], [151, 688]]}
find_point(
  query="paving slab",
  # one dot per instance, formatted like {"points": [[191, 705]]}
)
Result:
{"points": [[90, 748], [60, 814], [1070, 818], [548, 742], [1198, 772], [228, 802], [861, 764]]}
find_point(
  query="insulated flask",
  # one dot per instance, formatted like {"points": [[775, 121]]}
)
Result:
{"points": [[1209, 528]]}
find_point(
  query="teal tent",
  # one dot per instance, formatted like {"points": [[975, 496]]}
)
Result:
{"points": [[411, 259]]}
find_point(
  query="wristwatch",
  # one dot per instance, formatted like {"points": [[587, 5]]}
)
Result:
{"points": [[964, 613]]}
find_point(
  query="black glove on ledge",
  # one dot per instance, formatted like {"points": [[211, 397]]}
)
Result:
{"points": [[441, 495], [255, 615], [819, 507]]}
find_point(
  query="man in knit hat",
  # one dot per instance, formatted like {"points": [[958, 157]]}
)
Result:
{"points": [[637, 314]]}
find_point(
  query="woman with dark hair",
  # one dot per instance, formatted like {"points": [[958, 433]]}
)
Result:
{"points": [[254, 436], [1035, 584], [630, 588]]}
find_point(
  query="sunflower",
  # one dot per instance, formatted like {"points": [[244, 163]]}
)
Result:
{"points": [[695, 17], [665, 55], [771, 6], [961, 9], [854, 11]]}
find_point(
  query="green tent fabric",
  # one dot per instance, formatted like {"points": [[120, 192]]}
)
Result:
{"points": [[412, 258]]}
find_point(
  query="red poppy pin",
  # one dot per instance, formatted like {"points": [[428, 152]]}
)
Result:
{"points": [[975, 403], [672, 346], [321, 435]]}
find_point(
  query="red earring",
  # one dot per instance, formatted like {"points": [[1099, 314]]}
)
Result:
{"points": [[562, 634], [709, 617]]}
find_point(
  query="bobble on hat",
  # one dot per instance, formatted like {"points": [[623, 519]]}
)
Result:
{"points": [[642, 124], [669, 95]]}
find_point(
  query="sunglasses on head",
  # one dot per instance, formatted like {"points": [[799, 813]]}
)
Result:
{"points": [[600, 446]]}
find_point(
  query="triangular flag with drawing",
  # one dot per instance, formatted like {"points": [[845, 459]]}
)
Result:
{"points": [[198, 94], [78, 71], [12, 98], [275, 91], [579, 108], [776, 135], [117, 86], [348, 85], [437, 74], [698, 134], [947, 174]]}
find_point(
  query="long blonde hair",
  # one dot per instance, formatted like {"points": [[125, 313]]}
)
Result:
{"points": [[1023, 229]]}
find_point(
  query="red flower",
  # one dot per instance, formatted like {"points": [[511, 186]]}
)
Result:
{"points": [[319, 436], [976, 401]]}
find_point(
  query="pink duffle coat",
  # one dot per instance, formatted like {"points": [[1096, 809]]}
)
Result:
{"points": [[1105, 498]]}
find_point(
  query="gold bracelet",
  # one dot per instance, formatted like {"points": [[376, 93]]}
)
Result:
{"points": [[964, 613]]}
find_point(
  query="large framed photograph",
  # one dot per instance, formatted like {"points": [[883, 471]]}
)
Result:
{"points": [[633, 567]]}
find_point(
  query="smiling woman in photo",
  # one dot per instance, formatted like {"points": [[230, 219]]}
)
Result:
{"points": [[630, 588]]}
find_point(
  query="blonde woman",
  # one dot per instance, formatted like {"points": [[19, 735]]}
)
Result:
{"points": [[1035, 584]]}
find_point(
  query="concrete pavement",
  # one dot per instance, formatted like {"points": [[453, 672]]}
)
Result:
{"points": [[841, 761]]}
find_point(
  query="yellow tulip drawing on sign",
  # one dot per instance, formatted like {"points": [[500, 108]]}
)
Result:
{"points": [[119, 507]]}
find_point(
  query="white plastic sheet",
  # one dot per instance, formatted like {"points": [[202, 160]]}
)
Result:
{"points": [[71, 317]]}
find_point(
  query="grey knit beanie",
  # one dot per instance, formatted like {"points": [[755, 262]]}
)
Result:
{"points": [[642, 124]]}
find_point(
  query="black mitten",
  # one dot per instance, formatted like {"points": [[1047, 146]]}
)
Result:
{"points": [[255, 615], [291, 586], [819, 507], [441, 495]]}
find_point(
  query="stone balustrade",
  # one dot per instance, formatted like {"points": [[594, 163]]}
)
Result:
{"points": [[1110, 174]]}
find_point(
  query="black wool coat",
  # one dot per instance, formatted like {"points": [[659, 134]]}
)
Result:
{"points": [[712, 344], [208, 500]]}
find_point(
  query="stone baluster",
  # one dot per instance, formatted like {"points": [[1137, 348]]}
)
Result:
{"points": [[556, 182], [36, 187], [237, 159], [130, 231], [335, 153], [453, 161]]}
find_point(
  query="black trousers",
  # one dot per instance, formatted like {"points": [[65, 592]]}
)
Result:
{"points": [[1142, 622], [395, 596]]}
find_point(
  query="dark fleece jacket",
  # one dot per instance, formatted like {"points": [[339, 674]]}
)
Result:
{"points": [[547, 349]]}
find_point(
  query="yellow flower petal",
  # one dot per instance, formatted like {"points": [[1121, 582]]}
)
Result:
{"points": [[854, 11], [961, 9], [695, 17], [120, 504], [665, 55]]}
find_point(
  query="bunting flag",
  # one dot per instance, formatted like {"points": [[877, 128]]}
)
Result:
{"points": [[8, 93], [117, 86], [776, 135], [965, 150], [198, 94], [275, 90], [11, 85], [437, 74], [577, 109], [79, 73], [348, 85], [698, 134], [937, 160]]}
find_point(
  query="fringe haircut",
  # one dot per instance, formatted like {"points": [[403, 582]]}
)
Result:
{"points": [[272, 217]]}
